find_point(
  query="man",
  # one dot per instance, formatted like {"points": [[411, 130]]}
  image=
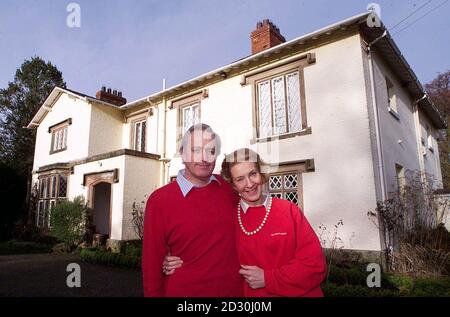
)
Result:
{"points": [[193, 218]]}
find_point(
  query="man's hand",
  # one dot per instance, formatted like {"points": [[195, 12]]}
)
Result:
{"points": [[170, 264], [253, 275]]}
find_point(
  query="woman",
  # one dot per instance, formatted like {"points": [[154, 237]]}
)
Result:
{"points": [[279, 252]]}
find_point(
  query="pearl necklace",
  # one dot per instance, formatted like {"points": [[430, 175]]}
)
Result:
{"points": [[249, 233]]}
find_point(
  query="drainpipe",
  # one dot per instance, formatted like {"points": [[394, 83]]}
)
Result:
{"points": [[377, 125], [164, 159], [418, 133]]}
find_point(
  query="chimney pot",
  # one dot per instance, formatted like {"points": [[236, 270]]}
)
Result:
{"points": [[111, 96], [265, 36]]}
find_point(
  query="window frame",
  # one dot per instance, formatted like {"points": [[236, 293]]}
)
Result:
{"points": [[179, 104], [49, 196], [56, 130], [273, 71], [292, 167], [392, 106], [134, 124]]}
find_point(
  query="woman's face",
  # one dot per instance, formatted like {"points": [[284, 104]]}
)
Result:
{"points": [[247, 181]]}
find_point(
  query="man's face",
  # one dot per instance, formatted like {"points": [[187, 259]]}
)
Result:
{"points": [[199, 156]]}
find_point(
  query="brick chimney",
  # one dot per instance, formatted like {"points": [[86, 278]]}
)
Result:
{"points": [[114, 97], [265, 36]]}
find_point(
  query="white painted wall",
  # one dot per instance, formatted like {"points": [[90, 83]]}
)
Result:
{"points": [[401, 138], [105, 129], [431, 159], [78, 132], [398, 137], [141, 179], [342, 186]]}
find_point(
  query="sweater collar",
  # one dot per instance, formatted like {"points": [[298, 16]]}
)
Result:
{"points": [[186, 186], [245, 206]]}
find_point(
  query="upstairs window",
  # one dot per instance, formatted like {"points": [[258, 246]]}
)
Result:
{"points": [[59, 139], [279, 104], [279, 99], [59, 136], [392, 97], [139, 135], [190, 115]]}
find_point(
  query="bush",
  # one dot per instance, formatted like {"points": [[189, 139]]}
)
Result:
{"points": [[111, 259], [334, 290], [133, 250], [69, 221], [17, 247], [351, 282]]}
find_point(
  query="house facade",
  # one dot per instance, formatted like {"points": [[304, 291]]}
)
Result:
{"points": [[337, 114]]}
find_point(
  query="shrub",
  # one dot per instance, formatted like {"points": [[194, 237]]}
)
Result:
{"points": [[411, 223], [137, 214], [100, 256], [133, 250], [69, 221]]}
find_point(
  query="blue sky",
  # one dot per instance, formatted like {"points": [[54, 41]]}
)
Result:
{"points": [[131, 45]]}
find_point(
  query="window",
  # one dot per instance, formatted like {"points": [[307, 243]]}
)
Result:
{"points": [[52, 188], [190, 115], [400, 174], [286, 186], [188, 112], [279, 99], [59, 139], [392, 98], [139, 135], [279, 104], [429, 139]]}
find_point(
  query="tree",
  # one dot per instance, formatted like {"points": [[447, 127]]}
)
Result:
{"points": [[439, 92], [19, 102]]}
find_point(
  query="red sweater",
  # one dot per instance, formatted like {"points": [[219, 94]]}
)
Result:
{"points": [[199, 228], [286, 248]]}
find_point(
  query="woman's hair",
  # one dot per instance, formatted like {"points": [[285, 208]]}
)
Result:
{"points": [[239, 156]]}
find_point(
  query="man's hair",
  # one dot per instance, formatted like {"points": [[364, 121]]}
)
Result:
{"points": [[200, 127]]}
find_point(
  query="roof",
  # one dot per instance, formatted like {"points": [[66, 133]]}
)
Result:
{"points": [[385, 46], [53, 96], [254, 57]]}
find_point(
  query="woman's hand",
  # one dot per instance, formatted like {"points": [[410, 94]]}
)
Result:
{"points": [[253, 275], [170, 264]]}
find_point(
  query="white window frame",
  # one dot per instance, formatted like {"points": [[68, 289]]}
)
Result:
{"points": [[190, 107], [139, 143], [273, 128]]}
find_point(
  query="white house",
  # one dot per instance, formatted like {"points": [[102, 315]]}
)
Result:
{"points": [[338, 113]]}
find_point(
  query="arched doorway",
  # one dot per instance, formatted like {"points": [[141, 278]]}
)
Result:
{"points": [[100, 189], [101, 211]]}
